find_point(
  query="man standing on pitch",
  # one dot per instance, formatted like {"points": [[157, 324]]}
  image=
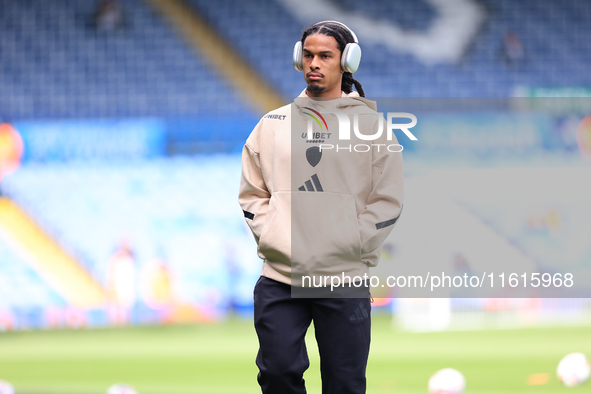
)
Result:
{"points": [[318, 212]]}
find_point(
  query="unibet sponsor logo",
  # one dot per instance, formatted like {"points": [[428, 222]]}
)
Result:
{"points": [[317, 138], [274, 116]]}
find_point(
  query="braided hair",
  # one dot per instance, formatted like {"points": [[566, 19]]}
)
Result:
{"points": [[343, 37]]}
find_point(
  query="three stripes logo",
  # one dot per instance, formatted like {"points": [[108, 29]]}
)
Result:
{"points": [[360, 313], [308, 186]]}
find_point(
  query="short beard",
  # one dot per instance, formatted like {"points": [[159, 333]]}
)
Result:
{"points": [[315, 88]]}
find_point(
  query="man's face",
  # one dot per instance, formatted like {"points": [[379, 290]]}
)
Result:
{"points": [[322, 66]]}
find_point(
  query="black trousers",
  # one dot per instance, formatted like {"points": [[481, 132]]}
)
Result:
{"points": [[342, 327]]}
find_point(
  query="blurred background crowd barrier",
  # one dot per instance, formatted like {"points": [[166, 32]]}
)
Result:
{"points": [[122, 128]]}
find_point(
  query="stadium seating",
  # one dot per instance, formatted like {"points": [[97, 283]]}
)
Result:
{"points": [[543, 232], [21, 287], [61, 68], [183, 211], [555, 39], [55, 65]]}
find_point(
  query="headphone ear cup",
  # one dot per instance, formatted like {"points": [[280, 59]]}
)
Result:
{"points": [[298, 56], [351, 58]]}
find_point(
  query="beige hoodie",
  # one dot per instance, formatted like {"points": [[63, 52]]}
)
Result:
{"points": [[320, 214]]}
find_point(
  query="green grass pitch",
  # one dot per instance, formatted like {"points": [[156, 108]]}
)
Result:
{"points": [[219, 359]]}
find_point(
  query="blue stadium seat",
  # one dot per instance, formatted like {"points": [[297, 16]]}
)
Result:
{"points": [[59, 67]]}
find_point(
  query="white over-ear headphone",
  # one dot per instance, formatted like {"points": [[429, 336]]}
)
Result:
{"points": [[350, 57]]}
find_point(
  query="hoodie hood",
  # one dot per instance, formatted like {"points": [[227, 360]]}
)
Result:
{"points": [[345, 101]]}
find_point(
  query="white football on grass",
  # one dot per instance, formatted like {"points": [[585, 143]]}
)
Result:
{"points": [[6, 388], [447, 381], [121, 388], [573, 369]]}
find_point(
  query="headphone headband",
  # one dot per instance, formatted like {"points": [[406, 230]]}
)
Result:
{"points": [[342, 25], [350, 57]]}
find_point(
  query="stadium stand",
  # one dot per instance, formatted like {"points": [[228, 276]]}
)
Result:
{"points": [[555, 40], [59, 269], [174, 209], [61, 67], [21, 287], [542, 233]]}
